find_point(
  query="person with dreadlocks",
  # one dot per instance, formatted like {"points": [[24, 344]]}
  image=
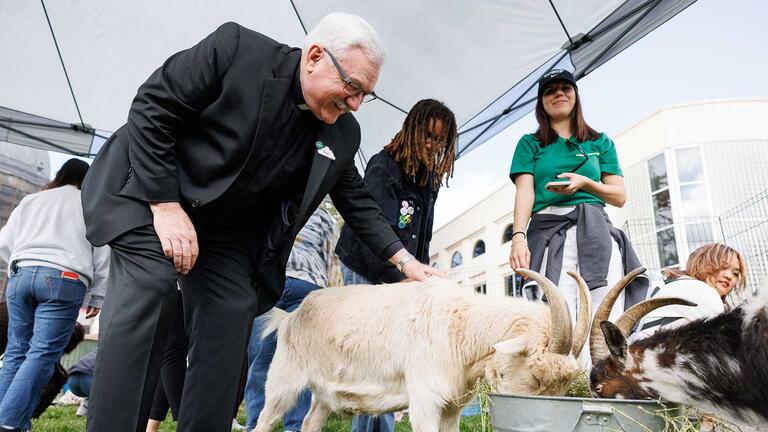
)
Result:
{"points": [[403, 178]]}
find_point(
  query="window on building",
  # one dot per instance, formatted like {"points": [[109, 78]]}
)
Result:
{"points": [[665, 241], [695, 210], [689, 165], [657, 169], [480, 289], [456, 259], [693, 198], [479, 249], [698, 234], [509, 285], [662, 209], [513, 285], [507, 234]]}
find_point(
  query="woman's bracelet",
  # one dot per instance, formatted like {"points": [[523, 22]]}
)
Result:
{"points": [[516, 242], [519, 232]]}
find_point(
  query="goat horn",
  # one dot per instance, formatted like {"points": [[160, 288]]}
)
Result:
{"points": [[631, 316], [584, 315], [598, 349], [561, 331]]}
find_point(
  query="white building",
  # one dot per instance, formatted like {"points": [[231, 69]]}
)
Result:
{"points": [[694, 173], [697, 173], [473, 248]]}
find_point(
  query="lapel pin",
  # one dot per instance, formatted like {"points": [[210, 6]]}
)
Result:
{"points": [[325, 151]]}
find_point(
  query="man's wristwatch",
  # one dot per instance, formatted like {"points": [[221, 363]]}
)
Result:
{"points": [[406, 258]]}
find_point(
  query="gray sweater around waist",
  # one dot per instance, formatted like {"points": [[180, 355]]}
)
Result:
{"points": [[594, 234]]}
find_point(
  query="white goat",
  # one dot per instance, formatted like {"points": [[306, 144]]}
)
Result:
{"points": [[374, 349]]}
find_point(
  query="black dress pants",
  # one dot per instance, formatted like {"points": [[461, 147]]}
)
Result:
{"points": [[219, 307], [171, 385]]}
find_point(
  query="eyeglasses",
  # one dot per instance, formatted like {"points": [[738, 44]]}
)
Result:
{"points": [[351, 88], [583, 153], [434, 139]]}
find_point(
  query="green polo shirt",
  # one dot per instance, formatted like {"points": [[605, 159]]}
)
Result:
{"points": [[545, 163]]}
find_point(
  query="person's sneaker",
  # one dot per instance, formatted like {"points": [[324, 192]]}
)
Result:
{"points": [[82, 410], [237, 426], [67, 398]]}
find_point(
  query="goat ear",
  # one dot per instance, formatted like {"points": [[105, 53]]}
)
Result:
{"points": [[617, 343], [514, 346]]}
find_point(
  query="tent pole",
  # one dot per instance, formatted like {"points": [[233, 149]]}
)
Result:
{"points": [[303, 27], [61, 59], [615, 41], [73, 126], [626, 16], [29, 123], [557, 14], [551, 66], [42, 140], [392, 105], [509, 89], [503, 113], [360, 158]]}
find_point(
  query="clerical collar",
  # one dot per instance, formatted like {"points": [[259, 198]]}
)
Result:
{"points": [[296, 95]]}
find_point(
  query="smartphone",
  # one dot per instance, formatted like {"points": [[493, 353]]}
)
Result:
{"points": [[557, 184]]}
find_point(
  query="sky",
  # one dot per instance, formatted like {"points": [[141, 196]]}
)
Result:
{"points": [[715, 49]]}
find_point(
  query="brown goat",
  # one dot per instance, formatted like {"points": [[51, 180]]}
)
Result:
{"points": [[716, 364]]}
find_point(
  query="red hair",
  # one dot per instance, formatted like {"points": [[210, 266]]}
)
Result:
{"points": [[706, 261]]}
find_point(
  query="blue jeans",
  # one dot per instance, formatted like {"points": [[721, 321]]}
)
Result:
{"points": [[80, 384], [260, 353], [367, 423], [42, 309]]}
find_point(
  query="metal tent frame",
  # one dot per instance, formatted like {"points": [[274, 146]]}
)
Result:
{"points": [[582, 53]]}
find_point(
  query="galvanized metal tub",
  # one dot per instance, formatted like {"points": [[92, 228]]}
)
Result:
{"points": [[564, 414]]}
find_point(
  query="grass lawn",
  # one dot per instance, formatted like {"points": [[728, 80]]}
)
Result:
{"points": [[62, 419]]}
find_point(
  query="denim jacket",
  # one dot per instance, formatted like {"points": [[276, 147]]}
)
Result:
{"points": [[409, 209]]}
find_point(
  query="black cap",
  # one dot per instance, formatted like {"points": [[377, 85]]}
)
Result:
{"points": [[554, 75]]}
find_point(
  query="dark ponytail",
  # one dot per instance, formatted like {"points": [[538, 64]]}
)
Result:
{"points": [[71, 173]]}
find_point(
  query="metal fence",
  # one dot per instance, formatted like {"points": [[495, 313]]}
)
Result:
{"points": [[659, 247], [665, 247], [743, 227]]}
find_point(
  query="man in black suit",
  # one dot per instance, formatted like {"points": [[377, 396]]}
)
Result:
{"points": [[228, 148]]}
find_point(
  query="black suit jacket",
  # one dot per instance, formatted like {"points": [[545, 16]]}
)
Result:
{"points": [[391, 187], [190, 130]]}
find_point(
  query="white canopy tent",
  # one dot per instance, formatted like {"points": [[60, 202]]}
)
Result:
{"points": [[480, 57]]}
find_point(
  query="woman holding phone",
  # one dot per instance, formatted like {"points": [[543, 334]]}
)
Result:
{"points": [[564, 174]]}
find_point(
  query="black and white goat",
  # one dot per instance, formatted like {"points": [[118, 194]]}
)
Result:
{"points": [[718, 365]]}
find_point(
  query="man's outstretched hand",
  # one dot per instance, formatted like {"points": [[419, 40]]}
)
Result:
{"points": [[415, 270], [176, 233]]}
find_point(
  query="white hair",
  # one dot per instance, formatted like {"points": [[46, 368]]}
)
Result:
{"points": [[341, 31]]}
